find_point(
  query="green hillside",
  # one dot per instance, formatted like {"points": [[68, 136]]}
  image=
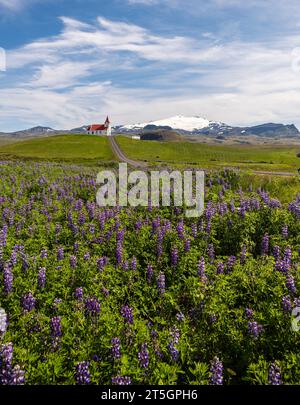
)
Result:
{"points": [[262, 157], [75, 148]]}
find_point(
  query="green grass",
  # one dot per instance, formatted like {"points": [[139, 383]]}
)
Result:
{"points": [[75, 148], [269, 157]]}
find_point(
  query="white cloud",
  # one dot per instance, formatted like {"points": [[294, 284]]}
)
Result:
{"points": [[112, 36], [16, 5], [89, 70]]}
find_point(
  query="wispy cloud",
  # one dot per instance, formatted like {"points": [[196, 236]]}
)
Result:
{"points": [[16, 5], [111, 37], [89, 70]]}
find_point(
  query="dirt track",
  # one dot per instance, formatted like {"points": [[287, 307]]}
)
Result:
{"points": [[120, 155]]}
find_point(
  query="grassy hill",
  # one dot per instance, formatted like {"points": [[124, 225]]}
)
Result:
{"points": [[75, 148], [89, 149], [262, 157]]}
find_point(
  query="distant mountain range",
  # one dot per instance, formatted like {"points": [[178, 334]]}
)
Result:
{"points": [[184, 125], [200, 126]]}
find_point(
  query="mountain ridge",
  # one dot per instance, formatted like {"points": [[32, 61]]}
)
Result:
{"points": [[184, 125]]}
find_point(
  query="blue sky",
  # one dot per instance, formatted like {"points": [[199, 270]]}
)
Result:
{"points": [[70, 63]]}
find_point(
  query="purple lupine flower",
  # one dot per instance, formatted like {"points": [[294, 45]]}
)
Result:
{"points": [[285, 231], [60, 254], [56, 303], [18, 376], [275, 375], [187, 245], [8, 279], [180, 230], [287, 257], [211, 253], [175, 334], [6, 357], [81, 218], [28, 302], [159, 243], [180, 316], [161, 283], [55, 326], [9, 375], [201, 270], [194, 230], [25, 264], [14, 258], [79, 294], [290, 283], [212, 318], [230, 263], [280, 266], [116, 348], [92, 307], [143, 356], [121, 380], [249, 313], [208, 227], [216, 372], [82, 375], [42, 277], [119, 253], [265, 245], [174, 352], [56, 332], [220, 268], [174, 256], [296, 302], [276, 252], [150, 273], [73, 261], [127, 314], [243, 255], [254, 329], [101, 263], [86, 256], [44, 254], [76, 247], [286, 304], [3, 322], [133, 263]]}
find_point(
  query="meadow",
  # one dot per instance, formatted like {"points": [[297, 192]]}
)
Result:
{"points": [[246, 157], [68, 148], [94, 295]]}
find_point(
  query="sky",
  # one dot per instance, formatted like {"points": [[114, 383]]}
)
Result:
{"points": [[70, 63]]}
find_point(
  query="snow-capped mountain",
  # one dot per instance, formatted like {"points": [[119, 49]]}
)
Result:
{"points": [[201, 126], [182, 122]]}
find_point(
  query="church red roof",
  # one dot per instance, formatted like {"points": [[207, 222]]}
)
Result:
{"points": [[97, 127]]}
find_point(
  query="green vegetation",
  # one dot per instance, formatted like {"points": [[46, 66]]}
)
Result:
{"points": [[269, 157], [75, 148], [93, 295]]}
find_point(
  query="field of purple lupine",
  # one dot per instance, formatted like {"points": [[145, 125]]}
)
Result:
{"points": [[145, 296]]}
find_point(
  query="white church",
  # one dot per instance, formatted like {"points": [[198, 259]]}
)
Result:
{"points": [[100, 129]]}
